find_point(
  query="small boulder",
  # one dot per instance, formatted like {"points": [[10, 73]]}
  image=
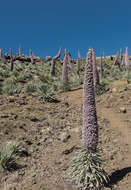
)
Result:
{"points": [[68, 151], [64, 137], [114, 90], [11, 99], [122, 109], [33, 118], [76, 130]]}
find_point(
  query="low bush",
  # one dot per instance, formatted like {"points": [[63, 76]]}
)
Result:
{"points": [[8, 155]]}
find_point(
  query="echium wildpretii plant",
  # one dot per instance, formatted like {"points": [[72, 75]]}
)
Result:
{"points": [[11, 60], [20, 51], [65, 83], [127, 59], [121, 54], [104, 56], [79, 63], [85, 170], [31, 57], [2, 57], [116, 60], [95, 71], [0, 53], [123, 61], [90, 126], [71, 64], [53, 62], [101, 67], [10, 52]]}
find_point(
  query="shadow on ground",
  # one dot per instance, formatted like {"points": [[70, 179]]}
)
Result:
{"points": [[118, 175], [75, 89]]}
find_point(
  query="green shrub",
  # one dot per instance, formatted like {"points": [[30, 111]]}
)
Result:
{"points": [[8, 155], [75, 80], [12, 80], [30, 88], [45, 93], [10, 87], [65, 87], [24, 77], [100, 89], [4, 73], [86, 171]]}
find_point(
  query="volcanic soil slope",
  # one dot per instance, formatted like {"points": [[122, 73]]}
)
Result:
{"points": [[51, 135]]}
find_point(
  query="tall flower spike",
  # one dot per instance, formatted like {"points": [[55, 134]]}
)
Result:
{"points": [[127, 58], [53, 62], [10, 51], [11, 60], [78, 63], [104, 56], [58, 55], [79, 55], [52, 68], [123, 60], [101, 66], [95, 71], [116, 62], [70, 63], [64, 69], [20, 51], [11, 63], [121, 54], [0, 53], [90, 126], [32, 57]]}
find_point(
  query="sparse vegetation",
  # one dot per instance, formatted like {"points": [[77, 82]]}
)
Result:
{"points": [[8, 155], [86, 170], [29, 91]]}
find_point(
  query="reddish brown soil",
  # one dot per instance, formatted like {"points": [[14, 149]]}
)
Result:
{"points": [[40, 127]]}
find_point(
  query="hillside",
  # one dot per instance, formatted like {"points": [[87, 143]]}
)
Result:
{"points": [[38, 111]]}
